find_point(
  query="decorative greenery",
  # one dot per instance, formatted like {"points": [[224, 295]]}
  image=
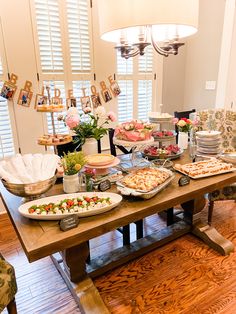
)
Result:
{"points": [[90, 129], [88, 125], [73, 162]]}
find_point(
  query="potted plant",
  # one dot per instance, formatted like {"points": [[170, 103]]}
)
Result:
{"points": [[72, 163]]}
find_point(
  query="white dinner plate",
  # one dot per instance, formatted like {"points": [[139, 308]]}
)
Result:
{"points": [[115, 200], [211, 134]]}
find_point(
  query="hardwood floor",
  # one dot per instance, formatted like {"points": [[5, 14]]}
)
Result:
{"points": [[184, 276]]}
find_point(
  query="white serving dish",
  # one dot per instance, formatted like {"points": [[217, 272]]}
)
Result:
{"points": [[23, 209], [229, 157], [145, 195]]}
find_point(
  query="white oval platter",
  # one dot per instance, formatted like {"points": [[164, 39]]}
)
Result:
{"points": [[23, 209]]}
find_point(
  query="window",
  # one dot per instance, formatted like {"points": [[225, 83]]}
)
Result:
{"points": [[49, 36], [135, 77], [64, 44], [78, 33], [6, 137]]}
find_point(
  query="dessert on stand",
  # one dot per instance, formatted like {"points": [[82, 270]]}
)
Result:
{"points": [[52, 106], [164, 133], [134, 134], [102, 163], [153, 151]]}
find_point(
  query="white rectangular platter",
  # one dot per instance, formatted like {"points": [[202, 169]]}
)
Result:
{"points": [[206, 174], [114, 198]]}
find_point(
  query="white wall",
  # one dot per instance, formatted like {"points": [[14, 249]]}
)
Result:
{"points": [[19, 49], [202, 56], [185, 75], [174, 81], [230, 96]]}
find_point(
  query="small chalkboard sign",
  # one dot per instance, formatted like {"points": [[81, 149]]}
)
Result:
{"points": [[69, 222], [184, 180], [104, 185]]}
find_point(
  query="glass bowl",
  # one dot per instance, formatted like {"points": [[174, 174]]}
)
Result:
{"points": [[166, 163]]}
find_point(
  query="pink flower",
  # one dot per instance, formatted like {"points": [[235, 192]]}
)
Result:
{"points": [[195, 122], [72, 121], [175, 120], [111, 116], [89, 172], [87, 110]]}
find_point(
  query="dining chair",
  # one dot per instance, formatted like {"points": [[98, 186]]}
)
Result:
{"points": [[8, 286], [224, 121], [179, 115]]}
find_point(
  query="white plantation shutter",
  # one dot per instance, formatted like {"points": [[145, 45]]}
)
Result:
{"points": [[138, 74], [77, 91], [63, 37], [145, 62], [124, 66], [49, 36], [6, 137], [125, 100], [60, 127], [144, 99], [78, 32]]}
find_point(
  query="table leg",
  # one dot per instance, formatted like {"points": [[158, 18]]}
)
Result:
{"points": [[74, 260], [207, 233], [71, 264]]}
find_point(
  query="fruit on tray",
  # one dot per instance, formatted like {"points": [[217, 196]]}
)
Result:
{"points": [[134, 130], [165, 151], [162, 133]]}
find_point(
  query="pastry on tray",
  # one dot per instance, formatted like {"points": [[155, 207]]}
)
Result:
{"points": [[134, 130], [56, 139], [145, 179], [204, 168]]}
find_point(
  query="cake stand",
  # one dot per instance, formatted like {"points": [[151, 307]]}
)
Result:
{"points": [[133, 145], [102, 170]]}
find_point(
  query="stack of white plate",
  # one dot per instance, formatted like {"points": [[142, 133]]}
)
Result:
{"points": [[208, 142]]}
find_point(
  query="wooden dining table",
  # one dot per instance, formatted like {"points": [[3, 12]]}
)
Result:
{"points": [[69, 250]]}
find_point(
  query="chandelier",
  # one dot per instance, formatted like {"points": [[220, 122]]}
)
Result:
{"points": [[135, 24]]}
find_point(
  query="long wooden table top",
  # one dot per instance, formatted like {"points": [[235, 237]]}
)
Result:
{"points": [[42, 238]]}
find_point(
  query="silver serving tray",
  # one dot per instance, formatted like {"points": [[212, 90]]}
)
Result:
{"points": [[145, 194]]}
